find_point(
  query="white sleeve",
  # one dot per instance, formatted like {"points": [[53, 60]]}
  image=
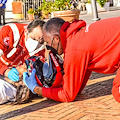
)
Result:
{"points": [[7, 92], [1, 52]]}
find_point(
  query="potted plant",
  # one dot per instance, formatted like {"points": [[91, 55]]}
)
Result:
{"points": [[37, 13], [30, 14], [17, 9], [64, 9], [106, 5], [103, 4]]}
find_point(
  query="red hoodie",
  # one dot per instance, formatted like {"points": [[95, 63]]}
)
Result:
{"points": [[95, 47], [8, 37]]}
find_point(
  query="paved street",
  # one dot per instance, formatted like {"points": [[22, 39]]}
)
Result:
{"points": [[102, 15], [94, 103]]}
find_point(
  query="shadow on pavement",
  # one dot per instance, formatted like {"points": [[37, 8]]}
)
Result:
{"points": [[91, 91], [96, 90], [28, 109], [95, 75]]}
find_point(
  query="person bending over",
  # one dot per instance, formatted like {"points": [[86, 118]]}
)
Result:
{"points": [[95, 47]]}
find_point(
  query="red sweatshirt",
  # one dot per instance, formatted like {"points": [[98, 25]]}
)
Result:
{"points": [[7, 41], [8, 37], [95, 47]]}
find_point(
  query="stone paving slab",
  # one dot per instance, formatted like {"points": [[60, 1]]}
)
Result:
{"points": [[94, 103]]}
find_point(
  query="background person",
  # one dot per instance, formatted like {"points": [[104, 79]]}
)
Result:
{"points": [[17, 43], [2, 10]]}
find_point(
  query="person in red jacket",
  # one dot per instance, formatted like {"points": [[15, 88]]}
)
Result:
{"points": [[17, 43], [95, 47]]}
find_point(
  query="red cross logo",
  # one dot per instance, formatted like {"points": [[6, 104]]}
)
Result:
{"points": [[6, 41]]}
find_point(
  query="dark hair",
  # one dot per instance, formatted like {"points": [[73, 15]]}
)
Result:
{"points": [[35, 23], [53, 25]]}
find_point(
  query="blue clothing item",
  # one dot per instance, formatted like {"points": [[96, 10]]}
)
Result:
{"points": [[30, 82], [3, 2], [13, 75]]}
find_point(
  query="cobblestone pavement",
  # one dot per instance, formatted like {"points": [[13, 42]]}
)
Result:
{"points": [[94, 103]]}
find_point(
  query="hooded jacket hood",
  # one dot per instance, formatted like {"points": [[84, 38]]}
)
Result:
{"points": [[68, 28]]}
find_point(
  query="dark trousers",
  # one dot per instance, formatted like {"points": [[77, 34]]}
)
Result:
{"points": [[2, 15]]}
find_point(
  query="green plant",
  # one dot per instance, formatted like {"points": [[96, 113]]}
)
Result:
{"points": [[46, 7], [60, 5], [37, 13], [30, 11], [101, 2]]}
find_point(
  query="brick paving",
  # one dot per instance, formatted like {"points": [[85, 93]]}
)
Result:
{"points": [[94, 103]]}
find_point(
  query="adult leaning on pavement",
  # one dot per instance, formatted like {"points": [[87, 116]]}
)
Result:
{"points": [[17, 43], [95, 47]]}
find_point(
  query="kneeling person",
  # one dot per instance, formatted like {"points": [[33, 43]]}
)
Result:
{"points": [[18, 42]]}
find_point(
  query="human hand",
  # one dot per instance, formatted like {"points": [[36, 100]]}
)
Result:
{"points": [[30, 82], [13, 75]]}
